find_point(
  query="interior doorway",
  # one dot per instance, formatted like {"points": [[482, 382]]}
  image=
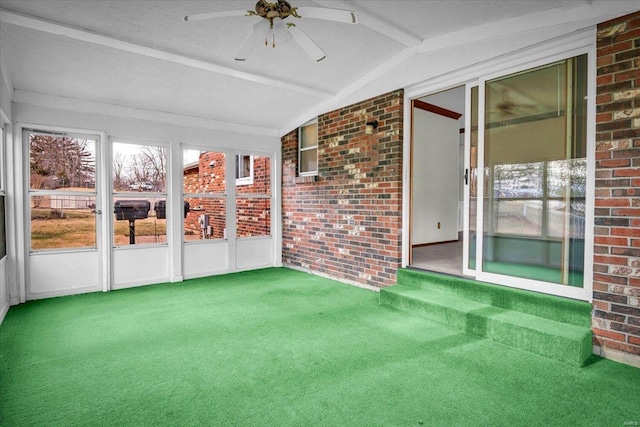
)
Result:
{"points": [[437, 182]]}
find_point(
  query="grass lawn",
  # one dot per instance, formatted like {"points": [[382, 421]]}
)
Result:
{"points": [[278, 347], [77, 229]]}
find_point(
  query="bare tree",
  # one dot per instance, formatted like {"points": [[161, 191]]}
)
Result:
{"points": [[149, 166], [119, 182], [61, 161]]}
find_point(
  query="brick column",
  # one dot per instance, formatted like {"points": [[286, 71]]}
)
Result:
{"points": [[616, 295]]}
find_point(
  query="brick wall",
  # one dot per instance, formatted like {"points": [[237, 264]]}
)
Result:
{"points": [[616, 296], [253, 216], [347, 224]]}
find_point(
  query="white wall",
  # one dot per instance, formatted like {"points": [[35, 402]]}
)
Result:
{"points": [[435, 178], [6, 90]]}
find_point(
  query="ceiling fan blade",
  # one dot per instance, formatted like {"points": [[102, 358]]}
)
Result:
{"points": [[212, 15], [307, 44], [259, 32], [337, 15]]}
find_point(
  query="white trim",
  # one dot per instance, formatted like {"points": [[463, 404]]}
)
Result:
{"points": [[406, 180], [466, 270], [310, 148], [378, 25], [244, 180]]}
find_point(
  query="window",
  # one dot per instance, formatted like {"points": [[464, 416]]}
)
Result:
{"points": [[244, 169], [253, 202], [308, 149], [205, 200], [62, 190], [139, 194]]}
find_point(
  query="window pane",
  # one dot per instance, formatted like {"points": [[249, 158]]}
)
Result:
{"points": [[60, 162], [139, 168], [204, 172], [535, 173], [261, 183], [61, 222], [139, 221], [243, 166], [206, 219], [309, 136], [309, 161], [253, 217], [518, 217]]}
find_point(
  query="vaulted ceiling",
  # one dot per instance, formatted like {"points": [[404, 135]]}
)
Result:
{"points": [[142, 55]]}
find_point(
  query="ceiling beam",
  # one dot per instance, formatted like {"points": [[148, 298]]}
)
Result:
{"points": [[93, 107], [373, 22], [111, 42]]}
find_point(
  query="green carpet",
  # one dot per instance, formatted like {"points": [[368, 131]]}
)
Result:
{"points": [[550, 326], [278, 347]]}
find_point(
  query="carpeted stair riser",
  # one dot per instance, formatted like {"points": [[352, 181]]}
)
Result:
{"points": [[452, 302], [541, 305]]}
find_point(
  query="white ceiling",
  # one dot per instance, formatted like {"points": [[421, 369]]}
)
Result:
{"points": [[141, 54]]}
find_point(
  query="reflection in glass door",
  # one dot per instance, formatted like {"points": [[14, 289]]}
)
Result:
{"points": [[534, 174]]}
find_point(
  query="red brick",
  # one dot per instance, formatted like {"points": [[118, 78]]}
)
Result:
{"points": [[626, 212], [626, 172], [614, 163], [616, 47], [610, 260], [609, 334], [613, 202], [611, 241]]}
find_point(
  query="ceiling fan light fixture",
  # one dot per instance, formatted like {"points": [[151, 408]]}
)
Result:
{"points": [[272, 28]]}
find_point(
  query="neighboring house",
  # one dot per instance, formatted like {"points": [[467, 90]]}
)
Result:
{"points": [[207, 176]]}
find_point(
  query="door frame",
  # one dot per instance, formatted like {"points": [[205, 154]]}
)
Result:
{"points": [[22, 206], [578, 43]]}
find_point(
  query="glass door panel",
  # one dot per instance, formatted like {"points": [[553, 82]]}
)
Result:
{"points": [[533, 205]]}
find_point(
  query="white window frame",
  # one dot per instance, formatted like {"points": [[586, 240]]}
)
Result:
{"points": [[301, 150], [245, 180], [139, 195]]}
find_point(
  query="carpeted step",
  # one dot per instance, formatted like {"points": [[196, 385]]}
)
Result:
{"points": [[547, 306], [550, 338]]}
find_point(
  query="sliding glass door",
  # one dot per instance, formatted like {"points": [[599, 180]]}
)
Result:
{"points": [[526, 176]]}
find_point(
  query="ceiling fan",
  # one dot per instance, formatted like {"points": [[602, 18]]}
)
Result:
{"points": [[271, 26]]}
